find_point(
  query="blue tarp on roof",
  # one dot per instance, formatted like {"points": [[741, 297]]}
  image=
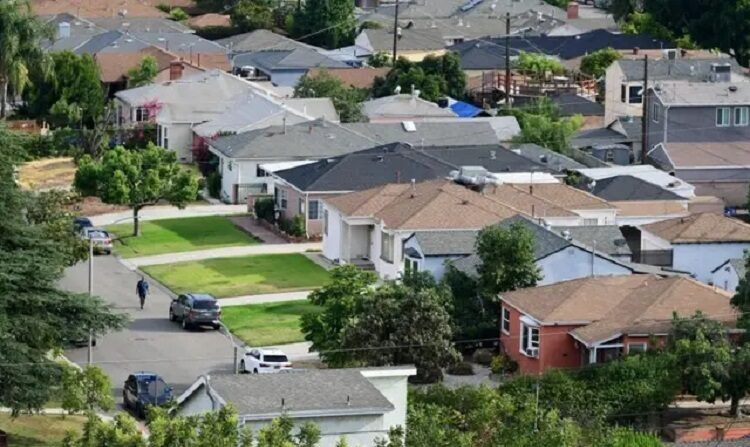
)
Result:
{"points": [[465, 110]]}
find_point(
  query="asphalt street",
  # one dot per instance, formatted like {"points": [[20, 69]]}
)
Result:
{"points": [[151, 342]]}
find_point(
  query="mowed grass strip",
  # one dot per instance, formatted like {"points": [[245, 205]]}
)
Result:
{"points": [[269, 323], [39, 430], [178, 235], [245, 275]]}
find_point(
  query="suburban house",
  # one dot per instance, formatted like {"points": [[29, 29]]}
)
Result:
{"points": [[360, 405], [624, 79], [362, 77], [369, 227], [175, 106], [623, 132], [701, 134], [554, 161], [245, 159], [402, 107], [281, 67], [104, 8], [728, 275], [303, 187], [260, 40], [695, 244], [593, 320], [558, 255], [413, 44]]}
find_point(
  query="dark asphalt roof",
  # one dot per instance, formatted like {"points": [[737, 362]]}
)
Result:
{"points": [[627, 187], [300, 58], [446, 243], [569, 104], [620, 131], [605, 238], [343, 391], [400, 162], [555, 161]]}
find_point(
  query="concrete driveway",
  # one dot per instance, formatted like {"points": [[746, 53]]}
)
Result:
{"points": [[151, 342]]}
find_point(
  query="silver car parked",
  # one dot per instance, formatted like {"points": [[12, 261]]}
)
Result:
{"points": [[101, 238], [194, 309]]}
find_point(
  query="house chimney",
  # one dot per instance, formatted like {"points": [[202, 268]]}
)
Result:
{"points": [[175, 70], [572, 10], [63, 30]]}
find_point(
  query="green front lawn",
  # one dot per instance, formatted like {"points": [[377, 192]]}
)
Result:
{"points": [[267, 324], [178, 235], [39, 430], [246, 275]]}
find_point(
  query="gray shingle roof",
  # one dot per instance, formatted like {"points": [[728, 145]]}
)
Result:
{"points": [[339, 391], [260, 40], [555, 161], [141, 24], [605, 238], [411, 39], [627, 187], [677, 69], [299, 58], [446, 243]]}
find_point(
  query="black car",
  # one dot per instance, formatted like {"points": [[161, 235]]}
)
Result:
{"points": [[79, 223], [143, 389], [195, 309]]}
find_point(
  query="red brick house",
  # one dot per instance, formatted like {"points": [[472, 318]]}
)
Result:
{"points": [[592, 320]]}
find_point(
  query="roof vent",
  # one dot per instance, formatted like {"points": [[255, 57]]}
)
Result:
{"points": [[732, 88], [543, 158], [379, 158], [409, 126], [566, 235], [493, 155]]}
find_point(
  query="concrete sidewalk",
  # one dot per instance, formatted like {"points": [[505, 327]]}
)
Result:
{"points": [[296, 351], [225, 252], [266, 298], [168, 212]]}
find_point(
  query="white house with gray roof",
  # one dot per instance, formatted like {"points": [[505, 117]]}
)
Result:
{"points": [[360, 405]]}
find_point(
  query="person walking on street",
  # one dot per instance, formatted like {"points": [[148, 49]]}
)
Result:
{"points": [[141, 289]]}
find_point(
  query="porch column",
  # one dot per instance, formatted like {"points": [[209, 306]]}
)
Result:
{"points": [[592, 355], [348, 243]]}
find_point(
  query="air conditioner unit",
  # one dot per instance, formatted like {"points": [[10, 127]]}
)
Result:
{"points": [[532, 352]]}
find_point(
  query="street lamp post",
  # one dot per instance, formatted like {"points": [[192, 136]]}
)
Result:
{"points": [[235, 348], [90, 357]]}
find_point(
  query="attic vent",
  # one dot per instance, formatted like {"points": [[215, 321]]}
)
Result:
{"points": [[409, 126], [732, 88], [566, 235]]}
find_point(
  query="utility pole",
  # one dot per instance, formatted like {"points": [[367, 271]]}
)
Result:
{"points": [[644, 118], [90, 357], [395, 34], [507, 59]]}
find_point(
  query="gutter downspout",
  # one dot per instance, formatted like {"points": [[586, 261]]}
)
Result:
{"points": [[307, 223]]}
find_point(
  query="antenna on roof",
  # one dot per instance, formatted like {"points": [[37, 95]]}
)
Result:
{"points": [[348, 400], [413, 188]]}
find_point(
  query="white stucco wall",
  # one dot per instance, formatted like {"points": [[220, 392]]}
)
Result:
{"points": [[388, 270], [240, 172], [572, 263], [613, 105], [433, 264], [332, 238], [700, 259], [180, 138], [726, 278], [652, 242]]}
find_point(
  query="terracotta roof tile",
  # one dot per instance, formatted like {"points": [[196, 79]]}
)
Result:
{"points": [[634, 208], [98, 8], [567, 197], [700, 228], [210, 19], [355, 77], [524, 199]]}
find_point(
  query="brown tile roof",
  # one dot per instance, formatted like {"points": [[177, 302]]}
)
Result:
{"points": [[219, 60], [90, 9], [210, 19], [734, 153], [567, 197], [114, 67], [700, 228], [437, 204], [637, 208], [608, 306], [355, 77], [523, 199]]}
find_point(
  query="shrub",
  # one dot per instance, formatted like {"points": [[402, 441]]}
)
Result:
{"points": [[502, 364], [427, 375], [178, 15], [201, 186], [264, 209], [482, 357], [293, 227], [461, 369], [214, 184]]}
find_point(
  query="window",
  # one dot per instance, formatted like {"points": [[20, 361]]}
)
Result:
{"points": [[164, 137], [410, 266], [325, 222], [741, 116], [282, 199], [141, 114], [655, 112], [386, 246], [609, 156], [301, 206], [722, 116], [624, 93], [635, 94], [591, 222], [529, 340], [260, 172], [506, 320], [636, 347], [313, 212]]}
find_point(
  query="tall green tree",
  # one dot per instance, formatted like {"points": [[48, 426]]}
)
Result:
{"points": [[20, 54], [596, 63], [88, 389], [435, 77], [346, 100], [249, 15], [137, 178], [327, 23], [340, 300], [539, 66], [144, 73], [508, 261], [541, 124], [741, 300], [35, 316]]}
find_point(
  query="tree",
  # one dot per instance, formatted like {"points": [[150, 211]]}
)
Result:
{"points": [[249, 15], [346, 100], [86, 389], [50, 211], [542, 124], [596, 63], [144, 73], [539, 66], [327, 23], [741, 299], [399, 324], [625, 437], [72, 95], [279, 434], [20, 54], [435, 77], [178, 15], [340, 300], [36, 317], [507, 255], [380, 59], [474, 313], [709, 366], [137, 178]]}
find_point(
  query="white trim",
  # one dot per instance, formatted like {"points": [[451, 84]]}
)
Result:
{"points": [[644, 344], [504, 309]]}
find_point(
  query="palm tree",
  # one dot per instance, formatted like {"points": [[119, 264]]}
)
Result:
{"points": [[20, 35]]}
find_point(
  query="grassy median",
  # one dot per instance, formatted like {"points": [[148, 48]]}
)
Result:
{"points": [[245, 275], [39, 430], [178, 235], [267, 324]]}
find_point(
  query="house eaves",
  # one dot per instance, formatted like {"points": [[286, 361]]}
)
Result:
{"points": [[318, 413]]}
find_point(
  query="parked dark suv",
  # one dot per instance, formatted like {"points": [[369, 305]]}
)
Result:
{"points": [[143, 389], [194, 309]]}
